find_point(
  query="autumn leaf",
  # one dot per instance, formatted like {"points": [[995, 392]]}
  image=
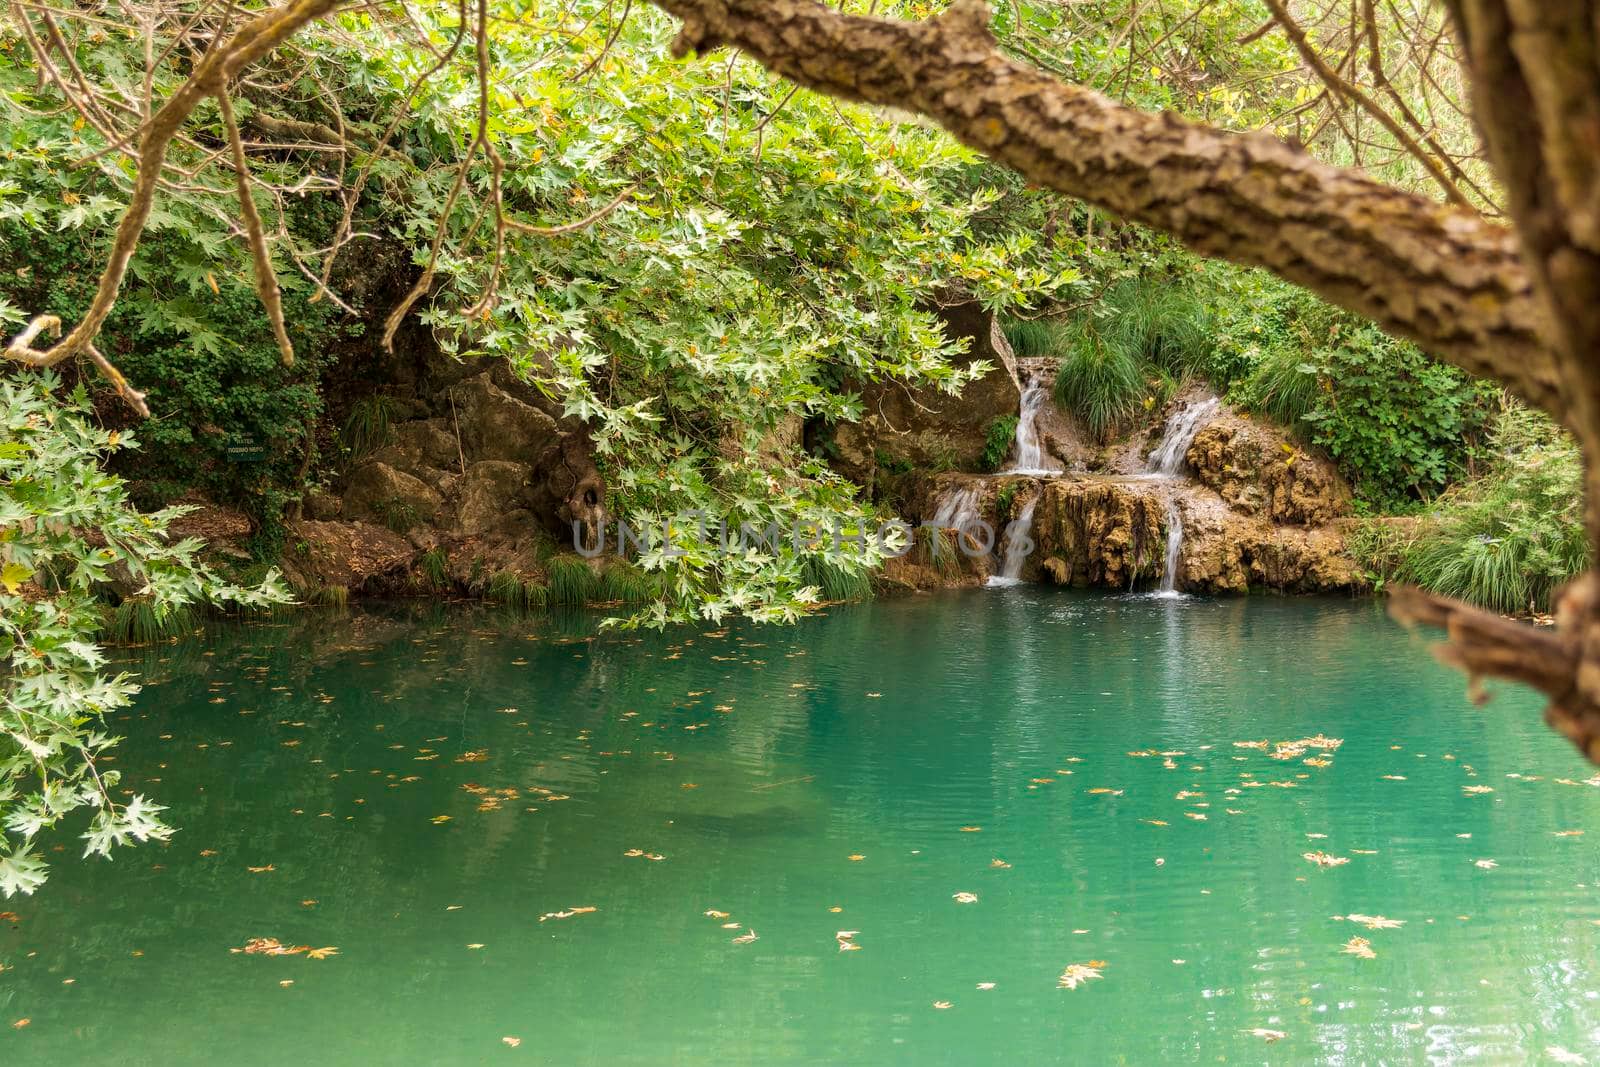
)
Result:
{"points": [[1359, 946], [966, 898], [1078, 973], [1266, 1035], [1487, 865], [1375, 922], [512, 1042], [746, 938], [322, 953], [1323, 859], [942, 1005]]}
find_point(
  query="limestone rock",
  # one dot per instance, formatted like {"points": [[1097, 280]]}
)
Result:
{"points": [[355, 555], [377, 492], [496, 425], [1258, 471], [493, 496]]}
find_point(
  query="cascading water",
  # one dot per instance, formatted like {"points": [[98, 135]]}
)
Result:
{"points": [[1019, 544], [1182, 427], [1169, 572], [957, 508], [1028, 448]]}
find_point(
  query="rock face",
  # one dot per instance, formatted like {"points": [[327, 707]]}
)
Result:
{"points": [[1101, 532], [925, 428], [1259, 472], [376, 492], [355, 555]]}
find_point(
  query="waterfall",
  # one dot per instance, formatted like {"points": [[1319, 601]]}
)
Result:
{"points": [[1028, 448], [1169, 572], [1019, 545], [957, 508], [1182, 427]]}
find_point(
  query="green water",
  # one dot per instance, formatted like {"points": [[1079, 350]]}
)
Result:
{"points": [[757, 763]]}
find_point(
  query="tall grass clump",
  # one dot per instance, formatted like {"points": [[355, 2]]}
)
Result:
{"points": [[140, 621], [1031, 338], [1282, 386], [572, 582], [1163, 323], [1103, 382], [434, 566], [1508, 539], [329, 596], [836, 581], [369, 424], [514, 591], [628, 583]]}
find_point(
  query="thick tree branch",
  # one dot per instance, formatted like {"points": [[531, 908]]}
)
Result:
{"points": [[1441, 276]]}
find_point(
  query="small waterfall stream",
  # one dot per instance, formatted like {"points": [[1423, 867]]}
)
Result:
{"points": [[1029, 447], [1019, 544], [1169, 571], [1166, 461], [1183, 426]]}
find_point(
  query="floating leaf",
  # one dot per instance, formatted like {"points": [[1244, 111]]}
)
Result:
{"points": [[1078, 973]]}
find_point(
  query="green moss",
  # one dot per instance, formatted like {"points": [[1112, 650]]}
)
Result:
{"points": [[997, 442]]}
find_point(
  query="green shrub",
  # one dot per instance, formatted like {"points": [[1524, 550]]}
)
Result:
{"points": [[1103, 383], [837, 582], [435, 567], [368, 426], [1401, 425], [572, 581], [1506, 540], [141, 621], [1032, 338], [997, 442]]}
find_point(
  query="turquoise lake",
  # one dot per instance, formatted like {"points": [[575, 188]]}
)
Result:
{"points": [[881, 836]]}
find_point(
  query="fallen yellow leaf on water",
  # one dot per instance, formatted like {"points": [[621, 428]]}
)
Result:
{"points": [[1078, 973], [745, 939], [475, 945], [1103, 790], [971, 829], [713, 913], [1476, 790], [855, 857], [261, 870], [321, 953], [1359, 946], [1569, 833], [1374, 922], [942, 1005], [20, 1023], [1265, 1034], [286, 983], [985, 985], [1323, 859], [511, 1041], [569, 913], [1000, 864], [966, 898], [439, 819], [1487, 865]]}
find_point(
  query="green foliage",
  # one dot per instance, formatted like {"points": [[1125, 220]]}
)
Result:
{"points": [[435, 567], [997, 442], [54, 692], [1506, 540], [1162, 322], [514, 591], [140, 620], [1033, 338], [1401, 425], [838, 581], [1005, 497], [1102, 382], [368, 426], [573, 582]]}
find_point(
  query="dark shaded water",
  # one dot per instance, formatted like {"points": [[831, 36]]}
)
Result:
{"points": [[422, 788]]}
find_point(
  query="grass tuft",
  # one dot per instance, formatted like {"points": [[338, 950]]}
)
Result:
{"points": [[140, 621], [572, 582]]}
